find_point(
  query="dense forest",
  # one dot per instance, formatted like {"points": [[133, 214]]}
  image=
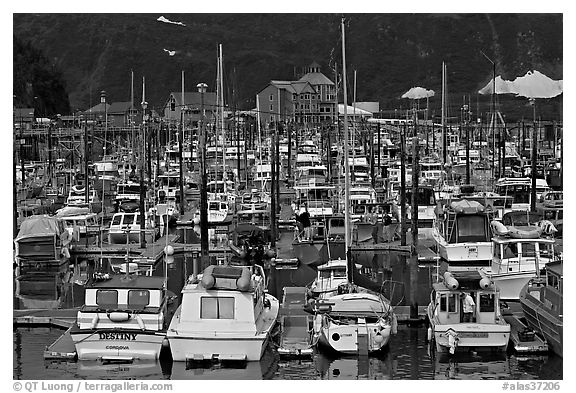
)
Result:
{"points": [[86, 53]]}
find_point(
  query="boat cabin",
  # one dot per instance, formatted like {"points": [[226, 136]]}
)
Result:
{"points": [[515, 255], [136, 301], [226, 299], [449, 301]]}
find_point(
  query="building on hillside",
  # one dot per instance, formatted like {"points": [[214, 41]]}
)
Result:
{"points": [[122, 114], [23, 118], [190, 107], [311, 99]]}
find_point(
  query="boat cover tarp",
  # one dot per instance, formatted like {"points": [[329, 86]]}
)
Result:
{"points": [[68, 211], [39, 237], [38, 225]]}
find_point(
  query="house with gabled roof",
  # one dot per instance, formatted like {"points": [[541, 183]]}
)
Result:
{"points": [[190, 106], [121, 114], [311, 99]]}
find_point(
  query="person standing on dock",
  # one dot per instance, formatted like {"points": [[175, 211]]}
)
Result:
{"points": [[304, 219]]}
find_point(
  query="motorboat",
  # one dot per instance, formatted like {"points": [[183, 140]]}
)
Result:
{"points": [[225, 314], [541, 300], [447, 328], [354, 323], [124, 318], [463, 236], [43, 243], [78, 220], [218, 213], [77, 196], [125, 228], [520, 254]]}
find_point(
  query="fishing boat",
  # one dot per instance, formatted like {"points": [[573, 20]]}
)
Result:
{"points": [[218, 213], [226, 314], [447, 328], [520, 254], [123, 318], [463, 236], [541, 301]]}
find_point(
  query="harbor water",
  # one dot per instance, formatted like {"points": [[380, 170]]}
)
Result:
{"points": [[408, 356]]}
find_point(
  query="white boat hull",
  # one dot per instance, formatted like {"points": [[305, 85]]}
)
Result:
{"points": [[472, 335], [238, 346], [346, 339], [119, 345]]}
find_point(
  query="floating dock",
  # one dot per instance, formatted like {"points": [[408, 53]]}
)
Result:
{"points": [[152, 253], [295, 323]]}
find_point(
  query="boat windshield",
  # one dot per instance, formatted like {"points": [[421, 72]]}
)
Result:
{"points": [[335, 273], [472, 228]]}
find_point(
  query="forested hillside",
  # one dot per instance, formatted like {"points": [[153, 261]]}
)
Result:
{"points": [[390, 52]]}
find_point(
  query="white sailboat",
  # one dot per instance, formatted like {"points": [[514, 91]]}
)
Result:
{"points": [[353, 322]]}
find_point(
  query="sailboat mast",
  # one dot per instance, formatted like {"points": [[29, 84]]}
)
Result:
{"points": [[444, 112], [346, 163], [132, 144], [221, 86]]}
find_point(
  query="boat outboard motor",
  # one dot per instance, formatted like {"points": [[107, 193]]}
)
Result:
{"points": [[450, 281]]}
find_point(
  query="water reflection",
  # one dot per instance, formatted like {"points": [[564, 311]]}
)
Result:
{"points": [[139, 369], [472, 365], [362, 367], [264, 369], [39, 291]]}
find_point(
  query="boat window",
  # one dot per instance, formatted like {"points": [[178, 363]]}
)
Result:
{"points": [[128, 219], [546, 250], [497, 251], [138, 298], [472, 228], [217, 308], [107, 298], [553, 281], [452, 302], [510, 250], [117, 219], [137, 219], [487, 302], [528, 249]]}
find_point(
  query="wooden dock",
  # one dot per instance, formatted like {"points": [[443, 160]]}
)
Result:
{"points": [[152, 253]]}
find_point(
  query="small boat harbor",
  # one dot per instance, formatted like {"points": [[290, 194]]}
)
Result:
{"points": [[231, 239]]}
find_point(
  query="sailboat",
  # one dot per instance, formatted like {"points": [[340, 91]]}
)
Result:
{"points": [[356, 321]]}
